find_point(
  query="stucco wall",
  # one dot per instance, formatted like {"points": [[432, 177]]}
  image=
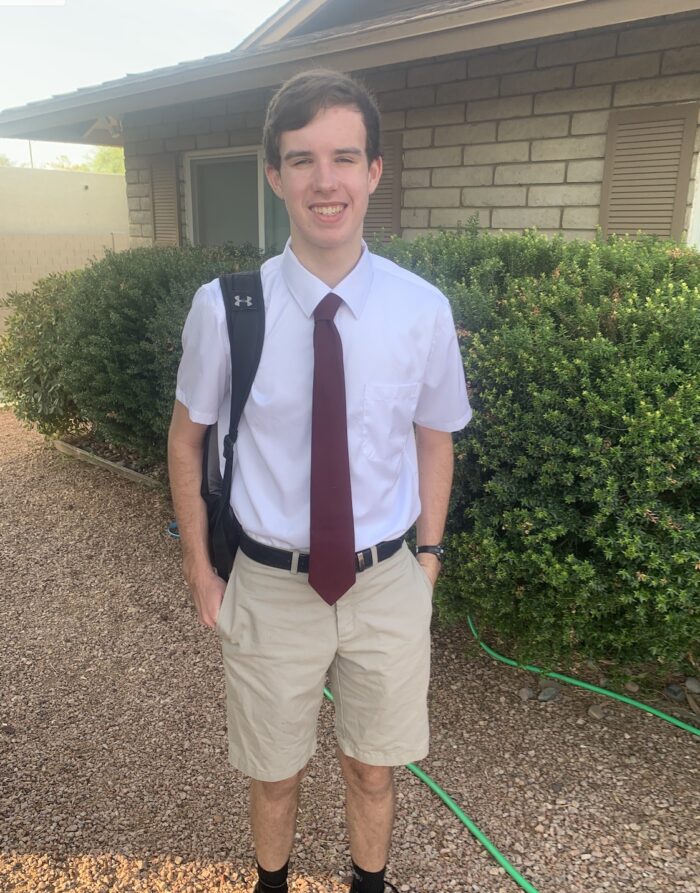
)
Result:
{"points": [[516, 135], [53, 221]]}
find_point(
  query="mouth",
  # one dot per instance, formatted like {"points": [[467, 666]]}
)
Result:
{"points": [[328, 212]]}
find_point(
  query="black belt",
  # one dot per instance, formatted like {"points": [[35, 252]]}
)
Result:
{"points": [[298, 562]]}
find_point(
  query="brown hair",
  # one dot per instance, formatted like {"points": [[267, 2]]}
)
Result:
{"points": [[302, 97]]}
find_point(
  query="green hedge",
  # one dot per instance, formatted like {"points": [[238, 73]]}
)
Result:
{"points": [[574, 522], [30, 368], [103, 344], [574, 526]]}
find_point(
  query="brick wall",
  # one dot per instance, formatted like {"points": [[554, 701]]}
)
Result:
{"points": [[214, 124], [518, 136], [515, 135]]}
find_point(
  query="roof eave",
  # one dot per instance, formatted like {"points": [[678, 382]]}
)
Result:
{"points": [[455, 31], [280, 23]]}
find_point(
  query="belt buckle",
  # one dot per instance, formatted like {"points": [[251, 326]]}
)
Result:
{"points": [[362, 562]]}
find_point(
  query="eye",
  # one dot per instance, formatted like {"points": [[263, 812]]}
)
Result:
{"points": [[301, 161], [346, 159]]}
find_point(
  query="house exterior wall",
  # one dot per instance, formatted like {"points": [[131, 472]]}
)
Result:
{"points": [[515, 135], [518, 136], [230, 122], [53, 221]]}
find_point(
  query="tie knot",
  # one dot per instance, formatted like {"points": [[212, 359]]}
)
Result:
{"points": [[328, 307]]}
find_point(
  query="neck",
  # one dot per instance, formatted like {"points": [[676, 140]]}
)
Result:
{"points": [[331, 266]]}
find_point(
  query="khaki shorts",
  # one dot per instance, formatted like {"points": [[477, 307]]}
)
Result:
{"points": [[279, 639]]}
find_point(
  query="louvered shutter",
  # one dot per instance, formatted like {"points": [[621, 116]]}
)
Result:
{"points": [[165, 200], [647, 170], [384, 210]]}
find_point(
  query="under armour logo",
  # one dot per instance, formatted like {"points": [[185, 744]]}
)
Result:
{"points": [[244, 301]]}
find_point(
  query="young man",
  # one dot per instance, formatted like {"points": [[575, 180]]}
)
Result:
{"points": [[329, 476]]}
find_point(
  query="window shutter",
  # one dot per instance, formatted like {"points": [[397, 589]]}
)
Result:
{"points": [[647, 170], [384, 210], [165, 200]]}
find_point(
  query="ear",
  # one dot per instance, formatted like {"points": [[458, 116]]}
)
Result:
{"points": [[375, 173], [275, 180]]}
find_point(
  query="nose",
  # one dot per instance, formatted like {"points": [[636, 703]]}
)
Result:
{"points": [[324, 176]]}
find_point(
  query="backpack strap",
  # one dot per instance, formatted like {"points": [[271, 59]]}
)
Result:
{"points": [[245, 320]]}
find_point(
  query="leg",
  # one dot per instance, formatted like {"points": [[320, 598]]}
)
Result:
{"points": [[269, 618], [379, 680], [273, 816], [369, 811]]}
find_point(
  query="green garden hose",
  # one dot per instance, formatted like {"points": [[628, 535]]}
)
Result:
{"points": [[480, 836], [581, 684]]}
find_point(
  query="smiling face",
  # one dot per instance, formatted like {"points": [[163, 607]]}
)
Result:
{"points": [[325, 181]]}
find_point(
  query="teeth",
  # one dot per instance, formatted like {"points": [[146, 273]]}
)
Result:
{"points": [[328, 212]]}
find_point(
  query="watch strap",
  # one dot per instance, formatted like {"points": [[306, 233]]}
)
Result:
{"points": [[438, 551]]}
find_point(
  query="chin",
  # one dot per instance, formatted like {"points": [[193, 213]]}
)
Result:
{"points": [[327, 239]]}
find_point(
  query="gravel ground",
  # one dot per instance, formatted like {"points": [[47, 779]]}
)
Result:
{"points": [[113, 771]]}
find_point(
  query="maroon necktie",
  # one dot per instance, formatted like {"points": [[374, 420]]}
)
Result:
{"points": [[332, 553]]}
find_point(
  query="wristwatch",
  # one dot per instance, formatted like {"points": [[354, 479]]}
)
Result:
{"points": [[438, 551]]}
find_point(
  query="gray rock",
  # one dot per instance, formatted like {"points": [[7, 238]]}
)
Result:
{"points": [[692, 683], [631, 687], [526, 693], [675, 693], [694, 705], [549, 693], [596, 711]]}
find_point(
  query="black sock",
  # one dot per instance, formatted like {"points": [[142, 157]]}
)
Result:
{"points": [[367, 881], [272, 881]]}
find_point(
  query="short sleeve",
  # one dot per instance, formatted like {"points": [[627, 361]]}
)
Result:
{"points": [[443, 403], [204, 371]]}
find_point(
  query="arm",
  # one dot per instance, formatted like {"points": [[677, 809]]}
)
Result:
{"points": [[435, 468], [185, 446]]}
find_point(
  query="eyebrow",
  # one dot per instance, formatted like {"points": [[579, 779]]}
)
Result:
{"points": [[305, 153]]}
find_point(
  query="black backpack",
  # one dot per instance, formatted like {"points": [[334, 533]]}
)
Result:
{"points": [[245, 320]]}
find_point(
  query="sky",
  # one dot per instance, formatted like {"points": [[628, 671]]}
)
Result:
{"points": [[48, 47]]}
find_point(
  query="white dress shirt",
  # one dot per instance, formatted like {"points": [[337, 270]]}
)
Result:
{"points": [[402, 365]]}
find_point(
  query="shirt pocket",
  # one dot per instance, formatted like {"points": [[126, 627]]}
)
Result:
{"points": [[387, 421]]}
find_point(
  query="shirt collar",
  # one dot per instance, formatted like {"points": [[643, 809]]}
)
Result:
{"points": [[308, 290]]}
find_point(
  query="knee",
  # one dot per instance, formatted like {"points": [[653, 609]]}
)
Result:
{"points": [[280, 790], [371, 781]]}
